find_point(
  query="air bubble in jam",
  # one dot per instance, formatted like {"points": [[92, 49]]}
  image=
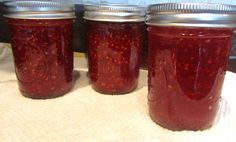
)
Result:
{"points": [[114, 55], [186, 73], [43, 56]]}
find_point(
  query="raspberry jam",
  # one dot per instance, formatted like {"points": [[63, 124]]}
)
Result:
{"points": [[114, 55], [186, 72], [43, 56]]}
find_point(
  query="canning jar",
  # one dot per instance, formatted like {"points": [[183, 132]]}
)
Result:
{"points": [[115, 36], [41, 39], [189, 45]]}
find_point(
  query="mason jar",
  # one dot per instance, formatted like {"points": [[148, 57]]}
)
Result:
{"points": [[189, 45], [115, 38], [41, 39]]}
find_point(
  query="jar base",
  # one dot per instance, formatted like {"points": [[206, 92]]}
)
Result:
{"points": [[115, 93], [51, 96], [175, 127]]}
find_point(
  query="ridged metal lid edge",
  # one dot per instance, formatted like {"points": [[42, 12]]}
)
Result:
{"points": [[191, 8], [115, 13], [192, 14], [38, 10]]}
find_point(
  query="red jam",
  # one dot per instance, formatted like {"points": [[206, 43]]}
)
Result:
{"points": [[43, 56], [144, 57], [114, 54], [186, 73]]}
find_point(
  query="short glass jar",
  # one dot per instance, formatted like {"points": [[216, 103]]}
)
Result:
{"points": [[41, 39], [115, 36], [189, 45]]}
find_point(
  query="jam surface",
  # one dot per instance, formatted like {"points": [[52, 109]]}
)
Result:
{"points": [[43, 56], [186, 73], [114, 55]]}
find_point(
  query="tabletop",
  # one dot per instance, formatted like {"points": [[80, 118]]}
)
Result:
{"points": [[88, 116]]}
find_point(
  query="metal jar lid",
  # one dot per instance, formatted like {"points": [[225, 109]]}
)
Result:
{"points": [[39, 10], [192, 14], [115, 13]]}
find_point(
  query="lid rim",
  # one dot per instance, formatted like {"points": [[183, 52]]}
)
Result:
{"points": [[115, 13], [192, 14], [191, 7], [115, 20], [38, 9], [193, 25]]}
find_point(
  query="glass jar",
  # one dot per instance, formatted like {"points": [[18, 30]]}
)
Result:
{"points": [[188, 53], [115, 36], [41, 39]]}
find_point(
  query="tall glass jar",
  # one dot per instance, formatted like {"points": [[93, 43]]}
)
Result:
{"points": [[41, 39], [189, 45], [115, 36]]}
